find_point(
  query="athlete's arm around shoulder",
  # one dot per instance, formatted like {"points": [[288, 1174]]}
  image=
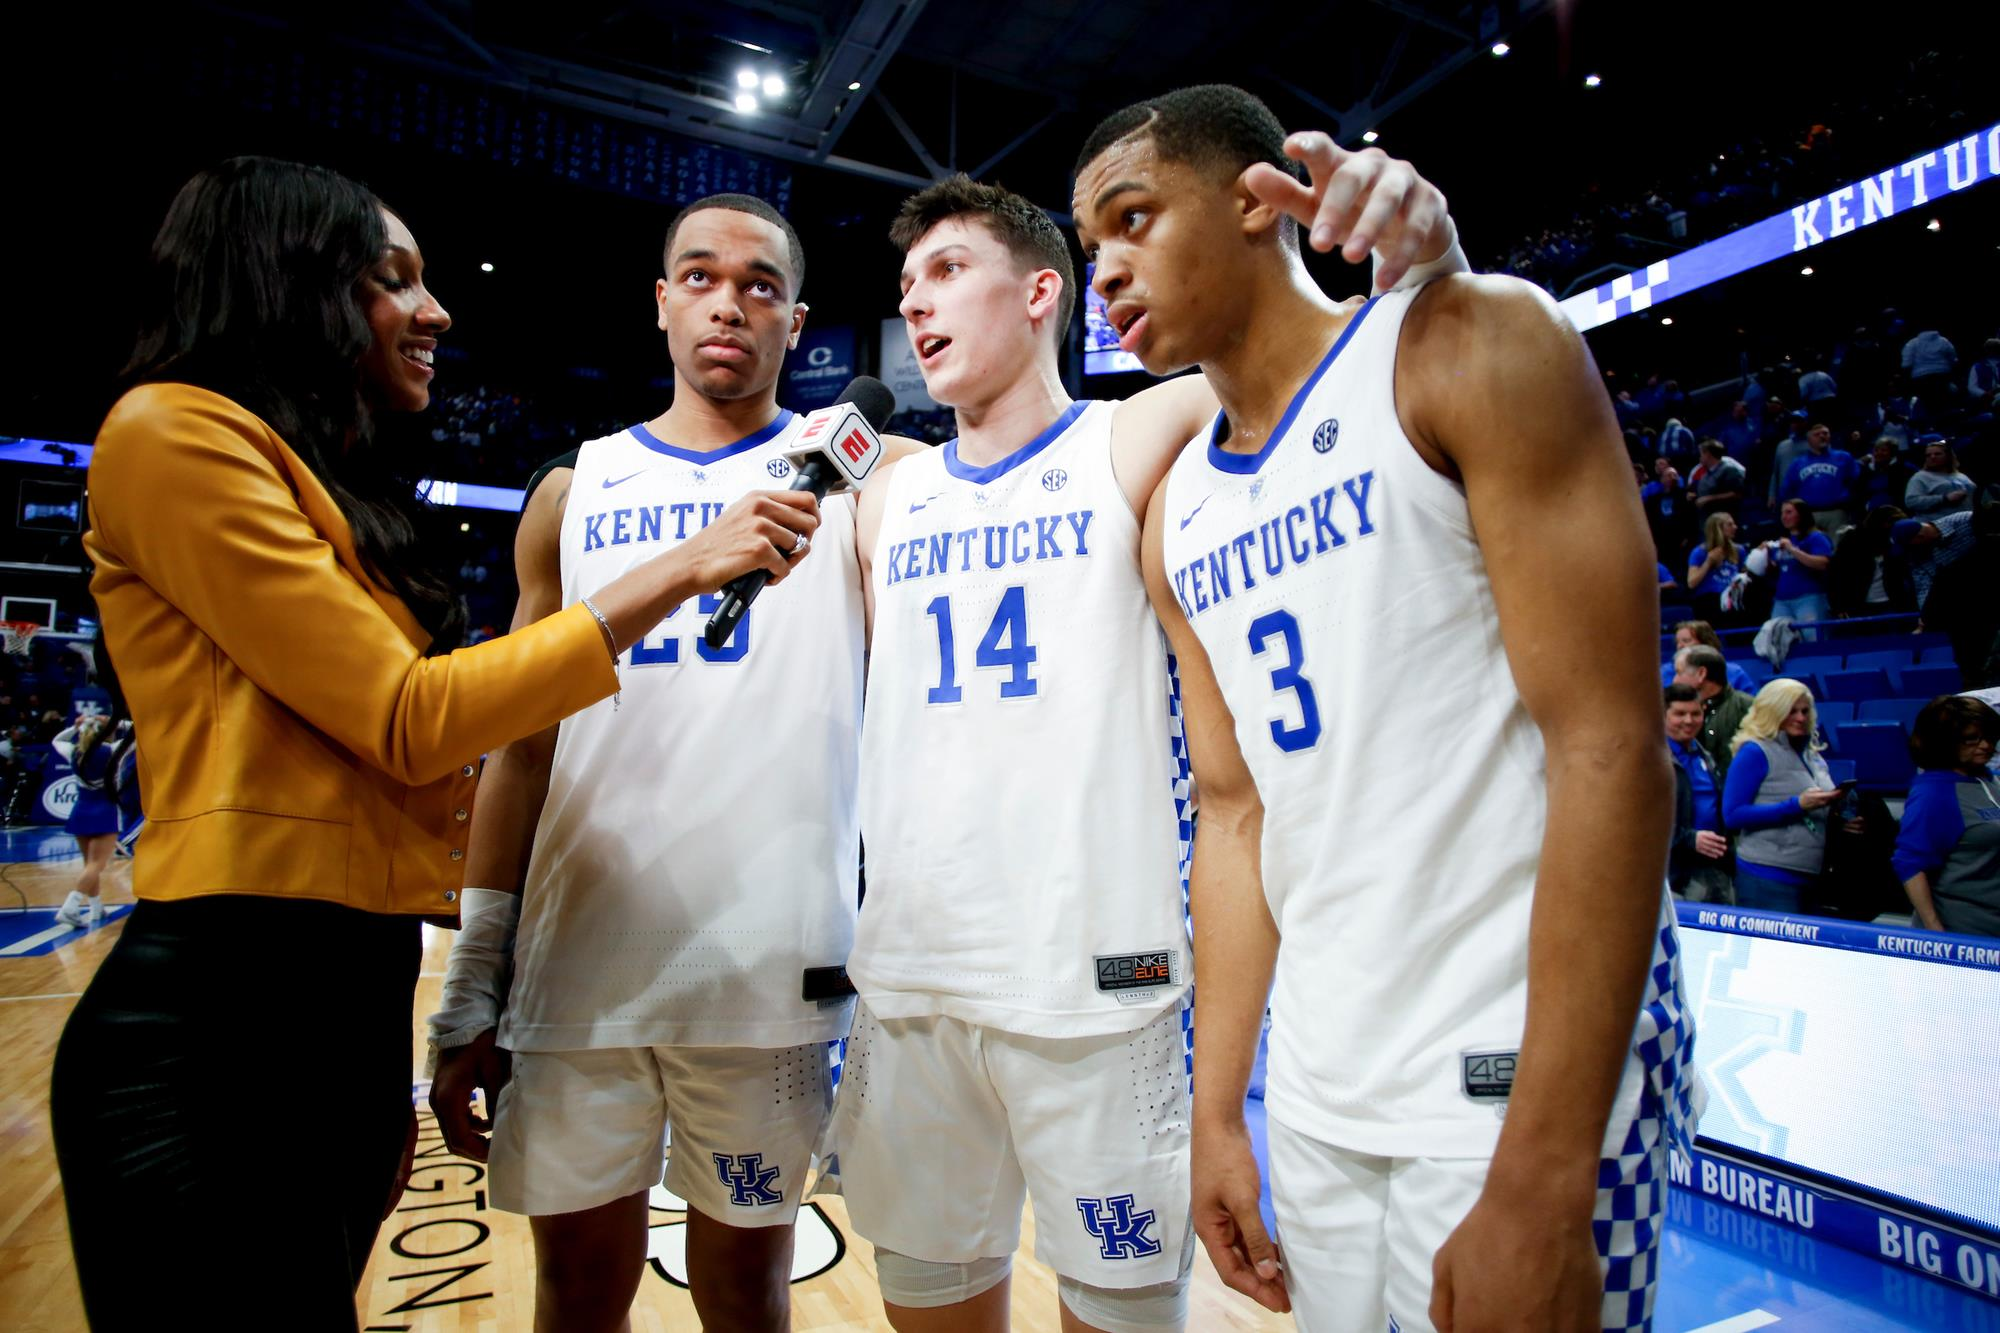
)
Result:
{"points": [[868, 514], [1235, 952], [1496, 388], [1155, 424]]}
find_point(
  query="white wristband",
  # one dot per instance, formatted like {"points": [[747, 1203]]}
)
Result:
{"points": [[476, 977], [1453, 260]]}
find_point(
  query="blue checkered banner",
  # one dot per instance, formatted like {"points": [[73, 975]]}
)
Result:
{"points": [[1945, 170]]}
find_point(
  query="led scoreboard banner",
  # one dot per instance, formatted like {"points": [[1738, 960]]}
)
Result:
{"points": [[1851, 1073], [1943, 171]]}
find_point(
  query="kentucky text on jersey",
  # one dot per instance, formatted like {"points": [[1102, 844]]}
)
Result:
{"points": [[1050, 537], [647, 523], [1326, 522]]}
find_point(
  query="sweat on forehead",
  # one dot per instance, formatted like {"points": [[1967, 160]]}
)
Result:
{"points": [[754, 207]]}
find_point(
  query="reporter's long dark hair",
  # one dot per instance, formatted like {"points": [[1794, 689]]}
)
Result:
{"points": [[253, 295]]}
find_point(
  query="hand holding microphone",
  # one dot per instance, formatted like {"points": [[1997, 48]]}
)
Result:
{"points": [[837, 448]]}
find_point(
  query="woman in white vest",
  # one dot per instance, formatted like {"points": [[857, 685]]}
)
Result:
{"points": [[1777, 799]]}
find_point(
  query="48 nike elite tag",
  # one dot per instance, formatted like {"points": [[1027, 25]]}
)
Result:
{"points": [[1133, 976], [1489, 1075]]}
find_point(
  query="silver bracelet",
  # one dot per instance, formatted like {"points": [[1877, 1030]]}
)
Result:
{"points": [[610, 639], [611, 645]]}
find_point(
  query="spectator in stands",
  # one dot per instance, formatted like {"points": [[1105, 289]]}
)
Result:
{"points": [[1718, 482], [1668, 514], [1932, 546], [1868, 576], [1823, 477], [1669, 585], [1929, 360], [1983, 380], [1676, 444], [1948, 852], [1884, 476], [1695, 866], [1723, 706], [1817, 390], [1940, 488], [1778, 799], [1790, 449], [1740, 434], [1801, 556], [1714, 564], [1688, 633]]}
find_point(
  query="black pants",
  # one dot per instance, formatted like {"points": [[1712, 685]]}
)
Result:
{"points": [[231, 1099]]}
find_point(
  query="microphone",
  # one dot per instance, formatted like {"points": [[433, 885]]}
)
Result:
{"points": [[837, 449]]}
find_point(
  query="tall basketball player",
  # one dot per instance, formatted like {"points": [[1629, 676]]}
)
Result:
{"points": [[1420, 708], [675, 892], [1021, 955]]}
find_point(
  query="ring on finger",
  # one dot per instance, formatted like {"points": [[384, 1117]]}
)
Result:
{"points": [[801, 544]]}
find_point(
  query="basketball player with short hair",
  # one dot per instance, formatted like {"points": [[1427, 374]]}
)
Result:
{"points": [[670, 895], [1022, 952], [1422, 714]]}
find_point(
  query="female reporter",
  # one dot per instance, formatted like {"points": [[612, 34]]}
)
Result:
{"points": [[308, 747]]}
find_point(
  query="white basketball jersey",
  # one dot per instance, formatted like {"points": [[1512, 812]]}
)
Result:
{"points": [[699, 845], [1337, 586], [1019, 766]]}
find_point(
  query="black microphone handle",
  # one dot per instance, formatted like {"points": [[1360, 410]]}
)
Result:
{"points": [[739, 592]]}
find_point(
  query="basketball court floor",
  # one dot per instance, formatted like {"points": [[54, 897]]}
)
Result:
{"points": [[447, 1261]]}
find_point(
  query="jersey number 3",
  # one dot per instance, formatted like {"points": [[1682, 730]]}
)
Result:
{"points": [[1287, 676], [1005, 645]]}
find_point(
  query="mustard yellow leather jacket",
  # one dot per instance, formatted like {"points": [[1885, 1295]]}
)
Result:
{"points": [[293, 740]]}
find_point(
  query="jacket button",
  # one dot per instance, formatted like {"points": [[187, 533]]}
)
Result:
{"points": [[460, 816], [467, 771], [451, 895], [458, 854]]}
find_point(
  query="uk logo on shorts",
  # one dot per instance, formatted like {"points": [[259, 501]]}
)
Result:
{"points": [[1122, 1234], [750, 1181]]}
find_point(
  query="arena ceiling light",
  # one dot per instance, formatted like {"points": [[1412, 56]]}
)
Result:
{"points": [[1806, 272], [1666, 321], [854, 87], [1934, 225], [1501, 48], [1591, 81], [1370, 137], [746, 102], [746, 78], [773, 86], [486, 268]]}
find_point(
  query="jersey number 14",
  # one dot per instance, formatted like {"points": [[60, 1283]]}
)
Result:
{"points": [[1005, 646]]}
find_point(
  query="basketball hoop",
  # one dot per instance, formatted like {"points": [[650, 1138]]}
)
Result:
{"points": [[17, 637]]}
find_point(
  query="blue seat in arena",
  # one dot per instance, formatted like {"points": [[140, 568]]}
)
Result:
{"points": [[1855, 686], [1880, 753], [1929, 681], [1901, 711], [1757, 669], [1885, 658], [1841, 769], [1939, 654], [1834, 711], [1808, 667]]}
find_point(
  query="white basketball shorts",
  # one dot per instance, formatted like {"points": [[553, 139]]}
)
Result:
{"points": [[577, 1129], [941, 1127]]}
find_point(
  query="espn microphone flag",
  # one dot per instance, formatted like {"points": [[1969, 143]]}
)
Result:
{"points": [[838, 447]]}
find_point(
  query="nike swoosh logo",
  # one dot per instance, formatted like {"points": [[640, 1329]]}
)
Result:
{"points": [[609, 483], [1196, 510], [924, 502]]}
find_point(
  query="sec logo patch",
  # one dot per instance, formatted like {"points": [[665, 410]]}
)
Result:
{"points": [[1326, 435]]}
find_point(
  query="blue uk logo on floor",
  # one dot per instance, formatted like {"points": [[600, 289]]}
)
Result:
{"points": [[28, 931]]}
